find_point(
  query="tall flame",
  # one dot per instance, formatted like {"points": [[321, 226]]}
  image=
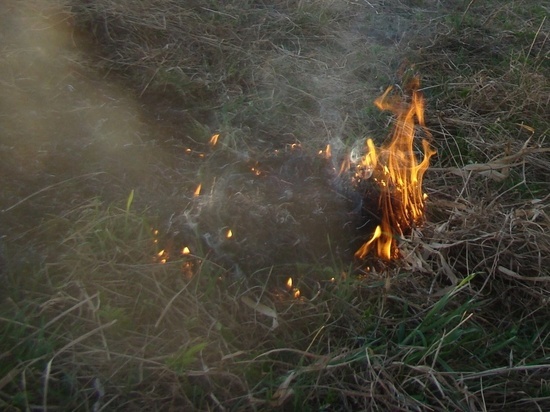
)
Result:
{"points": [[397, 172]]}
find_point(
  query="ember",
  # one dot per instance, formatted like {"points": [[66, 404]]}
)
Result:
{"points": [[397, 173]]}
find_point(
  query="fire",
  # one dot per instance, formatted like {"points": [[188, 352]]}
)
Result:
{"points": [[397, 172], [214, 139], [327, 153], [185, 251], [198, 190], [290, 287], [229, 234], [289, 284], [162, 256]]}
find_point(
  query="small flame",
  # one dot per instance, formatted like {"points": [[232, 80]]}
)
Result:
{"points": [[229, 234], [295, 291], [214, 139], [289, 284], [326, 153], [198, 190], [162, 256], [185, 251], [397, 172]]}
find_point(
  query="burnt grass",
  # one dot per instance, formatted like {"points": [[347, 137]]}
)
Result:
{"points": [[145, 267]]}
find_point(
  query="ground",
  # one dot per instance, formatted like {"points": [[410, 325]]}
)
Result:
{"points": [[165, 172]]}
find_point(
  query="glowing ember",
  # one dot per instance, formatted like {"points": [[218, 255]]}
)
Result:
{"points": [[397, 173], [229, 234], [185, 251], [198, 190], [296, 293], [214, 139], [188, 269], [255, 170]]}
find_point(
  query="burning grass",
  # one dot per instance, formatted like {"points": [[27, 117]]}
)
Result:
{"points": [[147, 274], [398, 174]]}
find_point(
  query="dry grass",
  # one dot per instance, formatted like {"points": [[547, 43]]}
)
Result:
{"points": [[112, 142]]}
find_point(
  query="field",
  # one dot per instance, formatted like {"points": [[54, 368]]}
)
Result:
{"points": [[167, 167]]}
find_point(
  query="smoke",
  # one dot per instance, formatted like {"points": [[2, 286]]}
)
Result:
{"points": [[58, 118], [63, 121]]}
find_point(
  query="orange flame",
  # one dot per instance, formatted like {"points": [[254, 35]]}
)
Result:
{"points": [[198, 190], [162, 256], [229, 234], [327, 153], [294, 291], [397, 172], [185, 251], [289, 284], [214, 139]]}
